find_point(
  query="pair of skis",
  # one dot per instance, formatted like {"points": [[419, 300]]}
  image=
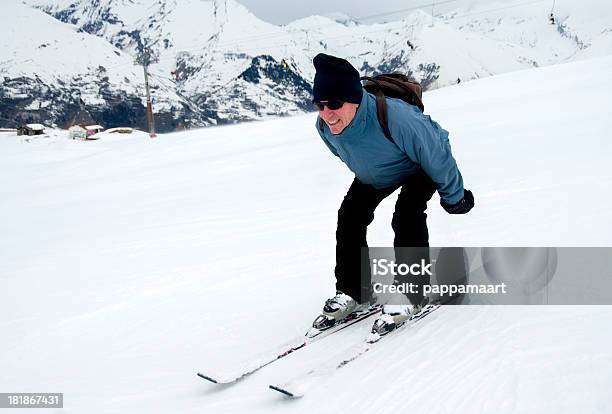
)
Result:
{"points": [[288, 348], [300, 384]]}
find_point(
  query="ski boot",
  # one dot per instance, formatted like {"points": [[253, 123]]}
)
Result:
{"points": [[335, 310], [393, 317]]}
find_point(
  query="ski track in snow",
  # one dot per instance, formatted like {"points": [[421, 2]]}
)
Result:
{"points": [[129, 264]]}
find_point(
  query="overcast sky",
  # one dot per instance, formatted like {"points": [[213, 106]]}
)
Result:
{"points": [[282, 11]]}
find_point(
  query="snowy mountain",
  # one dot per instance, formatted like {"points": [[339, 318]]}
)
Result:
{"points": [[53, 73], [128, 264], [218, 63]]}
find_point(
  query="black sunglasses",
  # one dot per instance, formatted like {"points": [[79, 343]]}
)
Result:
{"points": [[332, 104]]}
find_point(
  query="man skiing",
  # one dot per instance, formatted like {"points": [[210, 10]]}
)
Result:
{"points": [[418, 161]]}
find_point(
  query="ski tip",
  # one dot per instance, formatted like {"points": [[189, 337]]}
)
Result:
{"points": [[214, 381], [284, 391], [312, 332], [373, 337]]}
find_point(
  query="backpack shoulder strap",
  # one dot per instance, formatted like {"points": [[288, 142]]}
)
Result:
{"points": [[381, 109]]}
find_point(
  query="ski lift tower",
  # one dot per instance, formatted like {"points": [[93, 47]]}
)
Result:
{"points": [[145, 59]]}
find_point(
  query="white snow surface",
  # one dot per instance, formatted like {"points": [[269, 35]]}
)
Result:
{"points": [[128, 264]]}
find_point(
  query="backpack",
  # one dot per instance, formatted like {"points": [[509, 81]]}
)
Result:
{"points": [[392, 85]]}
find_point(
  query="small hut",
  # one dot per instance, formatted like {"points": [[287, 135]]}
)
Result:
{"points": [[92, 130], [77, 132], [120, 130], [31, 129]]}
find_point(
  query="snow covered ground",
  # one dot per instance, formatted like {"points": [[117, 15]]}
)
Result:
{"points": [[128, 264]]}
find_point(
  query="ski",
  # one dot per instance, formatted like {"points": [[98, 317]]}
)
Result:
{"points": [[298, 386], [287, 348]]}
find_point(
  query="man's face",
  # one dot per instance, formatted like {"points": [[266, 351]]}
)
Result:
{"points": [[338, 119]]}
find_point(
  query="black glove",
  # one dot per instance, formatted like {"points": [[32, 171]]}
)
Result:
{"points": [[463, 206]]}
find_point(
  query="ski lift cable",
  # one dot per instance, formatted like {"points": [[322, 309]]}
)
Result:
{"points": [[372, 16], [192, 105], [499, 9], [241, 42], [454, 18], [170, 89], [217, 89]]}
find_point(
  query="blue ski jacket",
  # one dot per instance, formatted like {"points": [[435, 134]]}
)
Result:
{"points": [[420, 143]]}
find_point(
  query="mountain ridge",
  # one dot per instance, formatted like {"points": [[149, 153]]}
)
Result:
{"points": [[218, 63]]}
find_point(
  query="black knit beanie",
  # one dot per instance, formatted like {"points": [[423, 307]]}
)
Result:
{"points": [[336, 78]]}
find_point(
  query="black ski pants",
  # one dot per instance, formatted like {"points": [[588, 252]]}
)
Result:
{"points": [[409, 224]]}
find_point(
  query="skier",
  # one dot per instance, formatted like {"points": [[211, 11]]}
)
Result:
{"points": [[419, 164]]}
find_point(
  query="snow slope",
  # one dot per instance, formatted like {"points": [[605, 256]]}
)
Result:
{"points": [[128, 264]]}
